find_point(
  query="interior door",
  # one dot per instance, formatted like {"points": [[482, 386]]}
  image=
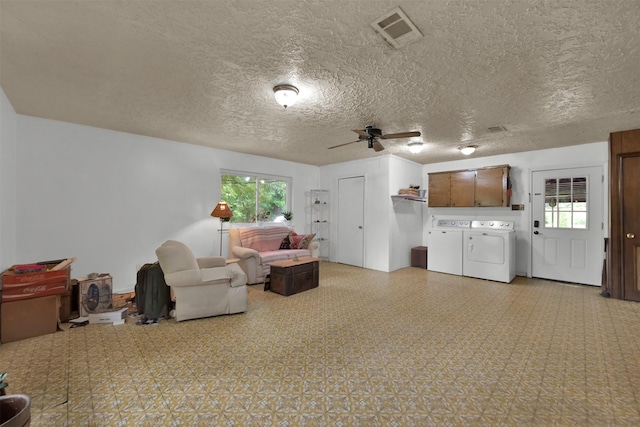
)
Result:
{"points": [[567, 240], [630, 178], [351, 221], [623, 278]]}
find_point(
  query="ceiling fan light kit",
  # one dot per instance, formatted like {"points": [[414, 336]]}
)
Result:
{"points": [[415, 147], [286, 95], [468, 149], [371, 135]]}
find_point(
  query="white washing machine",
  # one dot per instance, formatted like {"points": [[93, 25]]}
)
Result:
{"points": [[490, 250], [444, 253]]}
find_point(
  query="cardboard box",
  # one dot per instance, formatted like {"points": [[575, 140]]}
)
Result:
{"points": [[16, 286], [65, 305], [28, 318], [116, 317], [122, 300], [95, 294]]}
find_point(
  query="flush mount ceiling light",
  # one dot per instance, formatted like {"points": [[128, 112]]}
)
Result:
{"points": [[415, 147], [468, 149], [286, 95]]}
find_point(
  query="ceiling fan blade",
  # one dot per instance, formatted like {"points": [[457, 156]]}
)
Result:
{"points": [[400, 135], [346, 143], [377, 146], [363, 133]]}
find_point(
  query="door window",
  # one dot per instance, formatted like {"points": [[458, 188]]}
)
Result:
{"points": [[565, 202]]}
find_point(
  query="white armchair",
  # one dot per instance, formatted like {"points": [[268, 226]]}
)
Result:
{"points": [[202, 287]]}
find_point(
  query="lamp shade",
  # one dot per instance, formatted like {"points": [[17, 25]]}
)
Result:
{"points": [[286, 95], [222, 211]]}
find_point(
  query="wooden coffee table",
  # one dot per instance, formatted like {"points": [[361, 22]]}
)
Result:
{"points": [[290, 277]]}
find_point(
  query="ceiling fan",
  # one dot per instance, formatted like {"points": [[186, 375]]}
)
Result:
{"points": [[371, 135]]}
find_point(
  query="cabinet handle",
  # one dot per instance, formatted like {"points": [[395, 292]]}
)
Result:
{"points": [[631, 236]]}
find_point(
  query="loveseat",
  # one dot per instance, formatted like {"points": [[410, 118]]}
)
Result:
{"points": [[257, 246]]}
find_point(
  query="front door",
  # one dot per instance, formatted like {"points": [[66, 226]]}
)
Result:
{"points": [[567, 240], [351, 221]]}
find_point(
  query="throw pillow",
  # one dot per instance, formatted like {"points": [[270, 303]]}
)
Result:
{"points": [[286, 243], [300, 241], [293, 241]]}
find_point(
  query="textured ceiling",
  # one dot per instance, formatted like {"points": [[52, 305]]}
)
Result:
{"points": [[553, 73]]}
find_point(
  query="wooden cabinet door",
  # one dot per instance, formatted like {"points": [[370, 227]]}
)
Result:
{"points": [[463, 188], [491, 187], [439, 189]]}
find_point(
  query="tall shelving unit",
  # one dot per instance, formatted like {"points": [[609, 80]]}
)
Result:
{"points": [[320, 220]]}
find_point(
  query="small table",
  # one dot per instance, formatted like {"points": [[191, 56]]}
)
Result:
{"points": [[290, 277]]}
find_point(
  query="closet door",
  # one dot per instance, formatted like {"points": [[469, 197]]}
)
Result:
{"points": [[350, 247]]}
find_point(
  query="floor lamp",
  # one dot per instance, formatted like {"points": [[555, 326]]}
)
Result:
{"points": [[223, 212]]}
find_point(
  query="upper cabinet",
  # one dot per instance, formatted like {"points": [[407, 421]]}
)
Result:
{"points": [[492, 186], [468, 188], [462, 188], [439, 189]]}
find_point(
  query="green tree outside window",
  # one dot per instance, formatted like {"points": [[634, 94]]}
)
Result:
{"points": [[255, 198]]}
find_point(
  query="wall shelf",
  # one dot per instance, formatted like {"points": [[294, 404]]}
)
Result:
{"points": [[408, 197]]}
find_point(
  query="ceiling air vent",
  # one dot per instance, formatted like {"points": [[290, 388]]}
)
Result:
{"points": [[494, 129], [396, 28]]}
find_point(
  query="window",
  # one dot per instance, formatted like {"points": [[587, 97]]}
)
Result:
{"points": [[254, 197], [565, 203]]}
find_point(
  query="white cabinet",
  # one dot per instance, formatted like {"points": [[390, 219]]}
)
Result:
{"points": [[319, 210]]}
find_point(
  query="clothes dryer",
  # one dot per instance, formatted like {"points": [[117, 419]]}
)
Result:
{"points": [[444, 252], [490, 250]]}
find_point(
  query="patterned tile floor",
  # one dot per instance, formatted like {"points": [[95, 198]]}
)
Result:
{"points": [[366, 348]]}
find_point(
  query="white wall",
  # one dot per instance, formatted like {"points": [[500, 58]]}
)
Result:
{"points": [[8, 142], [376, 199], [112, 198], [522, 164], [391, 228], [405, 217]]}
